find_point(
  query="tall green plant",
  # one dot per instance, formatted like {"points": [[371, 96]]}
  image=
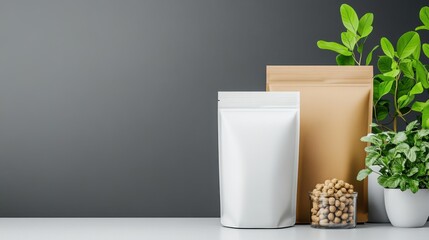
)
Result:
{"points": [[350, 51], [402, 75], [423, 107]]}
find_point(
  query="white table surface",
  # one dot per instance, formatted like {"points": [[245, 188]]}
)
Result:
{"points": [[185, 228]]}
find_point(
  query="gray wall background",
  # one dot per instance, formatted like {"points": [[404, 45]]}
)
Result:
{"points": [[108, 108]]}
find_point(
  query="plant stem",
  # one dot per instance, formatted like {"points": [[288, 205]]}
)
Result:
{"points": [[395, 124], [398, 113], [361, 54], [407, 112], [360, 58], [402, 117], [354, 58], [386, 128]]}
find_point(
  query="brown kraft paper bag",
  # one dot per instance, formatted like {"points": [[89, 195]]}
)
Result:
{"points": [[336, 111]]}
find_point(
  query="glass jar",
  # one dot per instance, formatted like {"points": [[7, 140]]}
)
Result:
{"points": [[333, 210]]}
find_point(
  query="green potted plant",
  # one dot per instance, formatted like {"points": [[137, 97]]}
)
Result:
{"points": [[403, 162], [402, 77]]}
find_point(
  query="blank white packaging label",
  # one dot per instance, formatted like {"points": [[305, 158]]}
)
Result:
{"points": [[258, 158]]}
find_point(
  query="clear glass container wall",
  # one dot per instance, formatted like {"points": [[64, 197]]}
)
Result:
{"points": [[332, 210]]}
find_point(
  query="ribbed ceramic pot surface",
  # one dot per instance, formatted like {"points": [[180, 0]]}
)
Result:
{"points": [[407, 209]]}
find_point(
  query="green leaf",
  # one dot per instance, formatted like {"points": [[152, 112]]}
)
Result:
{"points": [[397, 168], [407, 44], [384, 88], [382, 180], [399, 138], [365, 24], [383, 78], [387, 47], [425, 117], [376, 86], [411, 154], [412, 171], [382, 110], [407, 60], [389, 182], [360, 48], [414, 185], [404, 100], [407, 69], [425, 48], [422, 74], [333, 46], [402, 148], [384, 64], [349, 40], [424, 143], [369, 57], [371, 138], [417, 89], [405, 85], [423, 133], [345, 60], [376, 130], [371, 149], [395, 64], [411, 126], [419, 106], [417, 51], [393, 73], [371, 158], [421, 28], [424, 16], [421, 169], [349, 18], [392, 182], [403, 184], [363, 174]]}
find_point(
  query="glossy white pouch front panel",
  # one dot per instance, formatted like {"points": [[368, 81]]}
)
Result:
{"points": [[258, 158]]}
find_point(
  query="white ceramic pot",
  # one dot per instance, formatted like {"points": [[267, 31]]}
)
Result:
{"points": [[407, 209]]}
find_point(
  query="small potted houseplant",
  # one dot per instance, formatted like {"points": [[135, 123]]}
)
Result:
{"points": [[403, 162], [400, 158]]}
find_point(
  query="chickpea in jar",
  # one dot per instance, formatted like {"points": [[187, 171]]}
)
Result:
{"points": [[333, 204]]}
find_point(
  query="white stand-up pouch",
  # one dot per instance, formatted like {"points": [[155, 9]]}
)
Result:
{"points": [[258, 158]]}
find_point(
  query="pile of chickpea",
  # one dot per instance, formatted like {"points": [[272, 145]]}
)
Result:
{"points": [[333, 204]]}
